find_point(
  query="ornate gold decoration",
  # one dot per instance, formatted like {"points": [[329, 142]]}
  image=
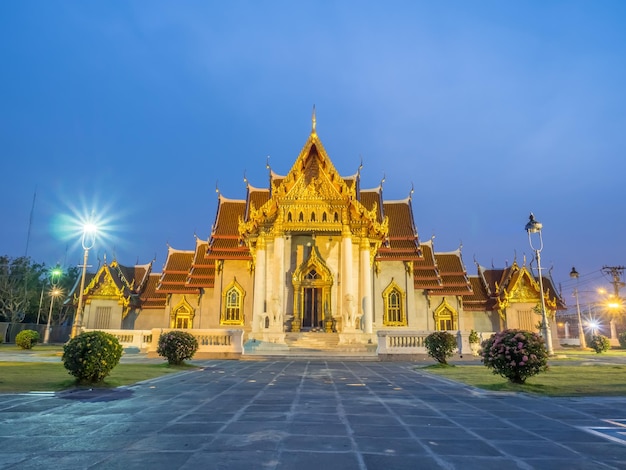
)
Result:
{"points": [[313, 197], [232, 304], [184, 312], [523, 288], [394, 300], [445, 311], [323, 280]]}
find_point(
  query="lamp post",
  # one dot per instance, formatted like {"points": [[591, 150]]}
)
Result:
{"points": [[88, 240], [55, 292], [55, 273], [581, 332], [534, 226]]}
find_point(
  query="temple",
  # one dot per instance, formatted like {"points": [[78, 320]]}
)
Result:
{"points": [[315, 252]]}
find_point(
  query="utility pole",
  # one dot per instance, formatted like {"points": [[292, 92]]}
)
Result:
{"points": [[616, 273]]}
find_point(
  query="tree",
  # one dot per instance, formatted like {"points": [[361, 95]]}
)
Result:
{"points": [[19, 283], [24, 284]]}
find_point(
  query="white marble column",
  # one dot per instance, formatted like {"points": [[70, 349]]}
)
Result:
{"points": [[366, 285], [278, 284], [258, 308], [349, 309]]}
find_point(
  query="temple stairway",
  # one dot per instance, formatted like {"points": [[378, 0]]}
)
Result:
{"points": [[315, 345]]}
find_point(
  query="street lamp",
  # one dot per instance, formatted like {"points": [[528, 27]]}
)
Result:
{"points": [[55, 274], [534, 226], [88, 240], [55, 292], [581, 332]]}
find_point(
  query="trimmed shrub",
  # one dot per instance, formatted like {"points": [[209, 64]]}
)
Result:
{"points": [[91, 356], [600, 343], [440, 346], [177, 346], [515, 354], [621, 338], [473, 337], [26, 339]]}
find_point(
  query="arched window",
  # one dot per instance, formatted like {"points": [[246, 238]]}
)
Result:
{"points": [[312, 275], [336, 217], [312, 216], [289, 217], [232, 305], [181, 316], [301, 217], [393, 300], [324, 217], [445, 317]]}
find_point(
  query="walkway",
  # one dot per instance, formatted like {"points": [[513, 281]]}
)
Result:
{"points": [[304, 415]]}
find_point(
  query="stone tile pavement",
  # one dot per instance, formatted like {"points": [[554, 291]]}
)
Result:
{"points": [[308, 414]]}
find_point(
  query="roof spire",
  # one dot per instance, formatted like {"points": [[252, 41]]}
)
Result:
{"points": [[314, 121]]}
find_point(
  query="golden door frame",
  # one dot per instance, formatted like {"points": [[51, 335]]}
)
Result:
{"points": [[302, 279]]}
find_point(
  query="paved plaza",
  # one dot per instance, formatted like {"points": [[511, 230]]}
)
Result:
{"points": [[308, 414]]}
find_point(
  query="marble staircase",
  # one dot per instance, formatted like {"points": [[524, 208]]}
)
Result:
{"points": [[310, 344]]}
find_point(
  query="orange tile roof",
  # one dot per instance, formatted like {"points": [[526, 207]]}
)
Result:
{"points": [[478, 299], [150, 298], [425, 273], [453, 274], [176, 271], [256, 198], [202, 272], [225, 242], [371, 197], [402, 243]]}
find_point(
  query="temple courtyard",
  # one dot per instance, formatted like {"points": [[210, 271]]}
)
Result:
{"points": [[308, 414]]}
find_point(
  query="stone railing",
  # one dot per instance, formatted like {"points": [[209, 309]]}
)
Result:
{"points": [[214, 343], [391, 343], [412, 343], [140, 339]]}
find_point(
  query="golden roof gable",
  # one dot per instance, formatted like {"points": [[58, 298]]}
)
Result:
{"points": [[312, 197]]}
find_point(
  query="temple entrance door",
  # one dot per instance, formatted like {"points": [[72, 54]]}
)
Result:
{"points": [[312, 315], [312, 284]]}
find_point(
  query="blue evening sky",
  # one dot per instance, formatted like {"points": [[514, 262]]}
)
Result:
{"points": [[490, 109]]}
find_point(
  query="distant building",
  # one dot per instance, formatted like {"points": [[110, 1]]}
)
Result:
{"points": [[315, 251]]}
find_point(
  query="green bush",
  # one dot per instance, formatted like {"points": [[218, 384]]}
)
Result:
{"points": [[473, 337], [621, 338], [177, 346], [26, 339], [515, 354], [91, 356], [600, 343], [440, 346]]}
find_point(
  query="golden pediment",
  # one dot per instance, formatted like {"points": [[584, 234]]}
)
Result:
{"points": [[106, 288], [317, 189], [524, 291], [313, 197]]}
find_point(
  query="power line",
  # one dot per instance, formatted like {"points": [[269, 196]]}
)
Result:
{"points": [[615, 272]]}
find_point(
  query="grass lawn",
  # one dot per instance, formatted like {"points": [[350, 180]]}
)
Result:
{"points": [[19, 377], [38, 350], [560, 380]]}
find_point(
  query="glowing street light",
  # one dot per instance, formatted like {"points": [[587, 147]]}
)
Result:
{"points": [[55, 292], [55, 275], [88, 240], [534, 226], [581, 332]]}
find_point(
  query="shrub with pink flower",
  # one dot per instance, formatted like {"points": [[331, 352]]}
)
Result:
{"points": [[177, 346], [515, 354]]}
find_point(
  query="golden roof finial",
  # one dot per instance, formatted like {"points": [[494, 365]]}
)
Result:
{"points": [[313, 131]]}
